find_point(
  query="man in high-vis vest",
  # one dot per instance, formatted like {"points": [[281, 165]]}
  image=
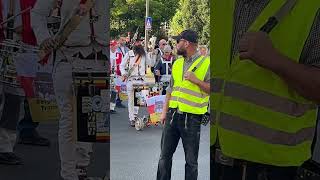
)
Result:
{"points": [[265, 87], [186, 103]]}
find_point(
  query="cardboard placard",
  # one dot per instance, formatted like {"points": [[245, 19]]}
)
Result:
{"points": [[42, 110]]}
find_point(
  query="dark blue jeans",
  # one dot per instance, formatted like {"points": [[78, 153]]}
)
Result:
{"points": [[254, 171], [187, 127]]}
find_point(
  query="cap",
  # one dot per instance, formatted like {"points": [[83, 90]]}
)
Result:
{"points": [[188, 35], [113, 43]]}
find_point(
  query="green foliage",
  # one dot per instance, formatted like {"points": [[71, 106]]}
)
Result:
{"points": [[128, 15], [192, 14]]}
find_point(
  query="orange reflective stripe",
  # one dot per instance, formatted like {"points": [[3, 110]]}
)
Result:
{"points": [[263, 133]]}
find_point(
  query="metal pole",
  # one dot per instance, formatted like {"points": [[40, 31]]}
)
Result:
{"points": [[146, 38]]}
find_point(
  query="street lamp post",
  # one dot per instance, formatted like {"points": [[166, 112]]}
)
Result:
{"points": [[146, 38]]}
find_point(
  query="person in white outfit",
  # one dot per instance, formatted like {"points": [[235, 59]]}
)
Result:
{"points": [[122, 50], [7, 136], [13, 107], [88, 41], [113, 57], [136, 59]]}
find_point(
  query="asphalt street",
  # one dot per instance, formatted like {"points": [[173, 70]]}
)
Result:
{"points": [[42, 163], [135, 154]]}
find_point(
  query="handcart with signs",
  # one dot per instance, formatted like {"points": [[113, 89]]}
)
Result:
{"points": [[142, 94], [91, 102]]}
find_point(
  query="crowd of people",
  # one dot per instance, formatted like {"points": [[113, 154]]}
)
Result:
{"points": [[35, 23], [157, 60]]}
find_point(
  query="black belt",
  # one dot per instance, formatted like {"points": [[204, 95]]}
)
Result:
{"points": [[184, 113]]}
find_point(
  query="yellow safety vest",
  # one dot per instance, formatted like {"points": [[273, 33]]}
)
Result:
{"points": [[186, 96], [255, 115]]}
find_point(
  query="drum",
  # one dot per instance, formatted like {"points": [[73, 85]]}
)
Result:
{"points": [[8, 74], [8, 71], [92, 105]]}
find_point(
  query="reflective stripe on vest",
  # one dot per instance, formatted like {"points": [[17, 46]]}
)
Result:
{"points": [[190, 103], [265, 134], [255, 115], [185, 95], [190, 92], [261, 98]]}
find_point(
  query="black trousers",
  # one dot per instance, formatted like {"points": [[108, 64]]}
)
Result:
{"points": [[252, 171], [184, 126]]}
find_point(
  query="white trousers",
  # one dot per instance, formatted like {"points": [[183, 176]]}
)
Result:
{"points": [[8, 137], [133, 110], [7, 140], [71, 154]]}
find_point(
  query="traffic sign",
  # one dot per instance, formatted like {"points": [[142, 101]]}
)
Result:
{"points": [[148, 23]]}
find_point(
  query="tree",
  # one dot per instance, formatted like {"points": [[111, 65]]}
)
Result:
{"points": [[192, 14], [128, 15]]}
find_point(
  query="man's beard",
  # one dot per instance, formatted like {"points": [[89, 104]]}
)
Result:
{"points": [[182, 52]]}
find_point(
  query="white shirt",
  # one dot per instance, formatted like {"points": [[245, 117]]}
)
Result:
{"points": [[131, 58], [113, 57], [81, 35], [123, 50]]}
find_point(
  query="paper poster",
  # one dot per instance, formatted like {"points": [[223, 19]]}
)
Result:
{"points": [[96, 103], [155, 117], [155, 104], [43, 106], [42, 110], [101, 123], [86, 104], [123, 96]]}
